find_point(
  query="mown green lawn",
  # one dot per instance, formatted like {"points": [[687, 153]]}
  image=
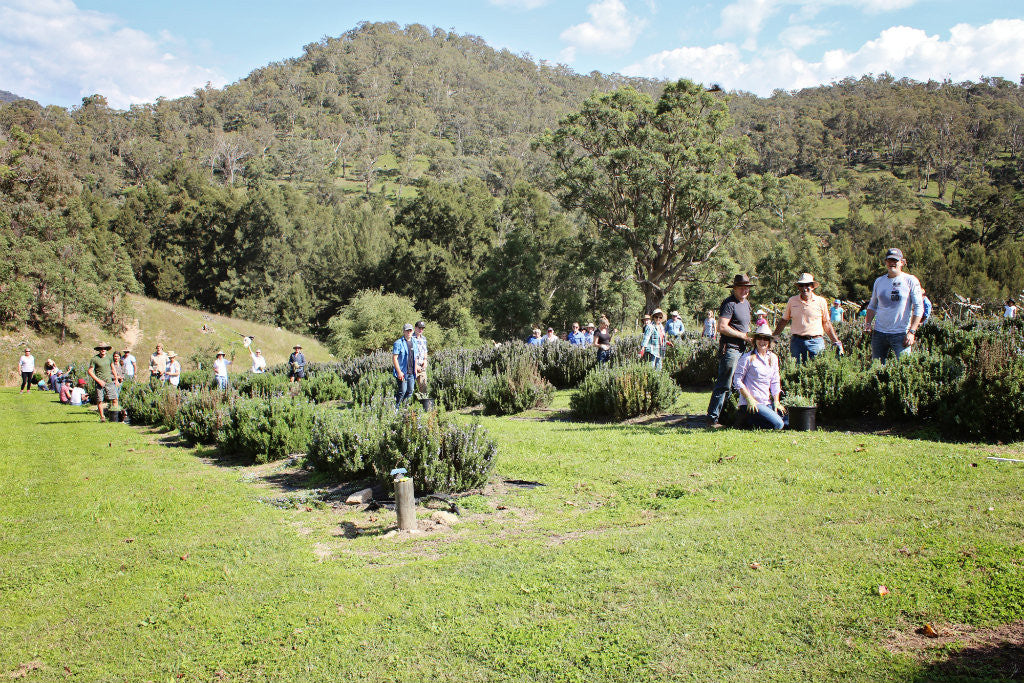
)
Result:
{"points": [[126, 559]]}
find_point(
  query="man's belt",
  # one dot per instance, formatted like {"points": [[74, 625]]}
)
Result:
{"points": [[806, 337]]}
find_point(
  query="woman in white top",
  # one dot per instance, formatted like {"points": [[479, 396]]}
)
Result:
{"points": [[1010, 310], [259, 363], [27, 366], [173, 373]]}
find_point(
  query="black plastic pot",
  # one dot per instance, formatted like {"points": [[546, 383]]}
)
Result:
{"points": [[803, 418]]}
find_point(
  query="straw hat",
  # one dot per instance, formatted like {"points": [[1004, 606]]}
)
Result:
{"points": [[807, 279]]}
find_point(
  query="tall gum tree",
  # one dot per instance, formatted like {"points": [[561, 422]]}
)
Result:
{"points": [[657, 177]]}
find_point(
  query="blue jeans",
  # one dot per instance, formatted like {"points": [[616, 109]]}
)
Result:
{"points": [[603, 355], [655, 361], [882, 343], [404, 388], [764, 418], [222, 382], [727, 360], [802, 349]]}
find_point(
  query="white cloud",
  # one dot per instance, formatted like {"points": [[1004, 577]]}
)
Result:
{"points": [[567, 55], [55, 52], [970, 52], [747, 17], [800, 36], [519, 4], [611, 28]]}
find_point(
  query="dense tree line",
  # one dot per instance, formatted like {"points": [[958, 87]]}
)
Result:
{"points": [[413, 161]]}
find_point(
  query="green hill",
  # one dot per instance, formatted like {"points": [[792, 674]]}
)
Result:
{"points": [[178, 328]]}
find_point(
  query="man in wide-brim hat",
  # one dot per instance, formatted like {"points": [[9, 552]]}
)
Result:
{"points": [[296, 364], [733, 330], [809, 315], [102, 372], [220, 370]]}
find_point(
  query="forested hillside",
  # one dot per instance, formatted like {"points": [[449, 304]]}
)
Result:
{"points": [[403, 160]]}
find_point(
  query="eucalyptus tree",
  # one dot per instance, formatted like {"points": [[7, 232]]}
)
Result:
{"points": [[657, 178]]}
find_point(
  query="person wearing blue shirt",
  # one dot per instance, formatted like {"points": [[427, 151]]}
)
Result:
{"points": [[674, 327], [403, 357], [927, 307], [653, 345], [588, 336], [577, 338], [536, 339], [836, 313]]}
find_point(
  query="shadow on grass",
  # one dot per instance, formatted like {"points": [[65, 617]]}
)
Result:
{"points": [[1003, 662]]}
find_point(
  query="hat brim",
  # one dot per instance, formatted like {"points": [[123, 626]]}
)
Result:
{"points": [[730, 285], [102, 348]]}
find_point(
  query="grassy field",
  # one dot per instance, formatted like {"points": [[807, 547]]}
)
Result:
{"points": [[650, 552], [179, 328]]}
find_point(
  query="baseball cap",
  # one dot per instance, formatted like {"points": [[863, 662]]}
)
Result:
{"points": [[894, 253], [406, 327]]}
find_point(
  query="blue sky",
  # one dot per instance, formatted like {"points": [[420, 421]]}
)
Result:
{"points": [[57, 51]]}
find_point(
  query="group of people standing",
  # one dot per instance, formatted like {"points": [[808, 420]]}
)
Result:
{"points": [[893, 315]]}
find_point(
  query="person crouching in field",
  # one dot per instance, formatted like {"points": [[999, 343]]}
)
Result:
{"points": [[811, 322], [757, 380], [101, 371]]}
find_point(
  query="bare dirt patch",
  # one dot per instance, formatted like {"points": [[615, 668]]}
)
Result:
{"points": [[958, 650]]}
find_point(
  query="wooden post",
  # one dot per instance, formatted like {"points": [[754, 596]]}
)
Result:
{"points": [[405, 503]]}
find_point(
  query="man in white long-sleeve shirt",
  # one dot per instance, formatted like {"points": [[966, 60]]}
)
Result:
{"points": [[895, 309]]}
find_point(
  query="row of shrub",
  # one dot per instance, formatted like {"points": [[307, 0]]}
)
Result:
{"points": [[440, 454], [968, 379]]}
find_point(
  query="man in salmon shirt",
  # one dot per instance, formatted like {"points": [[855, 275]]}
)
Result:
{"points": [[809, 314]]}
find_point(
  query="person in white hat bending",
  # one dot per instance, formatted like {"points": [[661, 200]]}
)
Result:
{"points": [[809, 315]]}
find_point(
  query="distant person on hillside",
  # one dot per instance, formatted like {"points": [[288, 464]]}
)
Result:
{"points": [[733, 328], [220, 370], [158, 363], [27, 366], [551, 337], [927, 303], [101, 371], [603, 341], [808, 313], [653, 343], [757, 380], [577, 337], [403, 358], [420, 342], [588, 335], [535, 339], [836, 314], [131, 364], [259, 363], [895, 310], [296, 364], [1009, 310], [173, 369], [674, 328], [709, 325]]}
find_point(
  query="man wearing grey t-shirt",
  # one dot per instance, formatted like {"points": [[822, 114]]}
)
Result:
{"points": [[895, 309]]}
